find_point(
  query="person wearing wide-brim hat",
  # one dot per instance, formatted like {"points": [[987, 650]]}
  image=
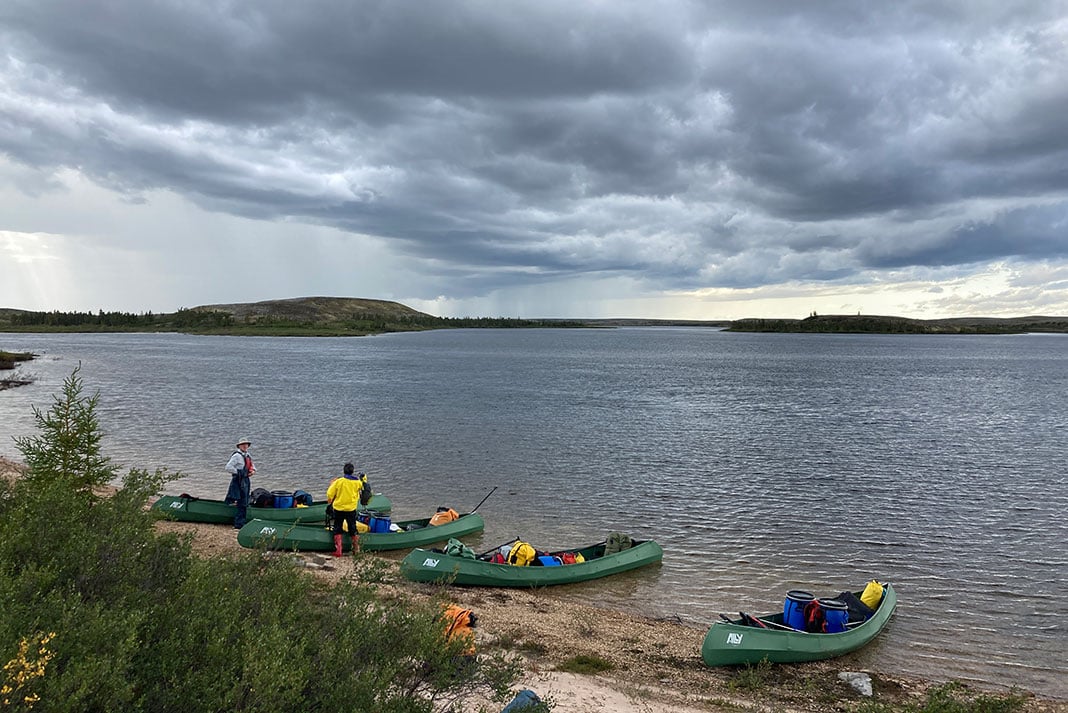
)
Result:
{"points": [[240, 468]]}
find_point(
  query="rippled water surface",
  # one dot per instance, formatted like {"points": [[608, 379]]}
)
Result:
{"points": [[761, 462]]}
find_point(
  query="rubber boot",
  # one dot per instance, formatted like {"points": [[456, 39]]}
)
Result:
{"points": [[337, 545], [355, 543]]}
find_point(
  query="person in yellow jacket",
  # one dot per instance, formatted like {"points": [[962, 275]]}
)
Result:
{"points": [[343, 496]]}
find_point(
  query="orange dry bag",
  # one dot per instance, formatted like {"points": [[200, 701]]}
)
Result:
{"points": [[444, 515]]}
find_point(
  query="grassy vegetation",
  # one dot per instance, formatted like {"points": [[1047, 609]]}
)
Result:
{"points": [[765, 680], [752, 677], [951, 698], [516, 641], [584, 664], [102, 613]]}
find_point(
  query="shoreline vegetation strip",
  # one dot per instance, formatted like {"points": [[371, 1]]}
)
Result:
{"points": [[333, 316]]}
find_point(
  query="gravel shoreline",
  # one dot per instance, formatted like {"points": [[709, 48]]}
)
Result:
{"points": [[657, 662], [657, 666]]}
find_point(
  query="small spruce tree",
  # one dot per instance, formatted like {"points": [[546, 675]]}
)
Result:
{"points": [[67, 448]]}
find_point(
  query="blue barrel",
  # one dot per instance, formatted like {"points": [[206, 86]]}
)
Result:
{"points": [[379, 523], [835, 615], [282, 498], [793, 609]]}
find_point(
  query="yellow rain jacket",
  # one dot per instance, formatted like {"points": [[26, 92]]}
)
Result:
{"points": [[344, 493]]}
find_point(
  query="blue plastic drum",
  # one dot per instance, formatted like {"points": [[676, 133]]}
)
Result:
{"points": [[793, 609], [835, 615]]}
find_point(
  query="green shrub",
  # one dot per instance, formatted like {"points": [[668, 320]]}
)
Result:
{"points": [[102, 613], [752, 677], [586, 665], [952, 697]]}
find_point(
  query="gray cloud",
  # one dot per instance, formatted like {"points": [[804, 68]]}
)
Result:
{"points": [[685, 145]]}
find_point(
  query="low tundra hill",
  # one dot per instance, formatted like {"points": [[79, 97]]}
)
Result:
{"points": [[315, 310]]}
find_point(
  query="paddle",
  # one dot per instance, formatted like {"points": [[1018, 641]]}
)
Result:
{"points": [[749, 620], [494, 549], [484, 500], [752, 620]]}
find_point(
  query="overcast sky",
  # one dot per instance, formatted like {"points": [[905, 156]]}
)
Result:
{"points": [[705, 160]]}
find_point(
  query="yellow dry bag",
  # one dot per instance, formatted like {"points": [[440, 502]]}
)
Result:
{"points": [[521, 554], [873, 594], [361, 527]]}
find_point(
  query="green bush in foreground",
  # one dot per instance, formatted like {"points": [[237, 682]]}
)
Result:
{"points": [[101, 613]]}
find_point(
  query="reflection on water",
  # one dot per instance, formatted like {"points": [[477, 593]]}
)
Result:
{"points": [[761, 463]]}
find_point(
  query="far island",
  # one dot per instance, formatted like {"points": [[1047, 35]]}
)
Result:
{"points": [[873, 324]]}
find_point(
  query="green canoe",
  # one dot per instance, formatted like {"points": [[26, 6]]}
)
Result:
{"points": [[191, 509], [434, 566], [317, 538], [734, 642]]}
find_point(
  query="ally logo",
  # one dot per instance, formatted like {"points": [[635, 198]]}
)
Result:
{"points": [[267, 531], [734, 638], [430, 562]]}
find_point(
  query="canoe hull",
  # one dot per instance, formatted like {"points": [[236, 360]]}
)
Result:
{"points": [[733, 643], [316, 538], [217, 511], [428, 566]]}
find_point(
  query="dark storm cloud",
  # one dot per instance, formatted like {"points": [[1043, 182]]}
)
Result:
{"points": [[693, 145], [1036, 233]]}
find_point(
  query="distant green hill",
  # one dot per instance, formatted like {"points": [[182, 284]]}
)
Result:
{"points": [[315, 310], [311, 316], [300, 316]]}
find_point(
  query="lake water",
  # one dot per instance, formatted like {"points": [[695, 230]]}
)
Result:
{"points": [[761, 462]]}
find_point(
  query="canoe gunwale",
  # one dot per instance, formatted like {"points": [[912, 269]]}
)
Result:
{"points": [[212, 511], [304, 537], [464, 571], [733, 643]]}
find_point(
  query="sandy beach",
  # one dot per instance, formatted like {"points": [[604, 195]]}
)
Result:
{"points": [[656, 663]]}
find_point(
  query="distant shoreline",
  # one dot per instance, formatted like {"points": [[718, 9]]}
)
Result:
{"points": [[351, 317], [810, 325], [873, 324]]}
